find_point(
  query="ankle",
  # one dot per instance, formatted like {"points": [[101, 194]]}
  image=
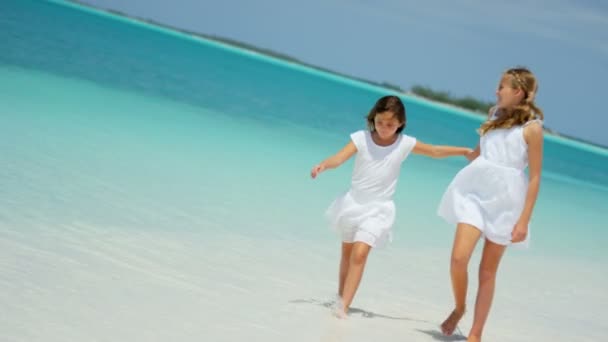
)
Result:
{"points": [[475, 333]]}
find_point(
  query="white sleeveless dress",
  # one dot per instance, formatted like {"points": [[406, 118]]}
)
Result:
{"points": [[366, 212], [490, 192]]}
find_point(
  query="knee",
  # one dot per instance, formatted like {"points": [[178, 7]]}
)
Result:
{"points": [[459, 262], [358, 258], [345, 259], [486, 274]]}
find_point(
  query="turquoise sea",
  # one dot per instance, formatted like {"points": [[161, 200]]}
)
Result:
{"points": [[155, 186]]}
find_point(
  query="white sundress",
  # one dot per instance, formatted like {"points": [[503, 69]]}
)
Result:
{"points": [[490, 192], [366, 213]]}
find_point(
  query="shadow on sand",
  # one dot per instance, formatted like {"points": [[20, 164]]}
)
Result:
{"points": [[439, 336], [434, 333], [356, 311]]}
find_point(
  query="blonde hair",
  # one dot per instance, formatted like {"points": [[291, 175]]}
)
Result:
{"points": [[526, 110]]}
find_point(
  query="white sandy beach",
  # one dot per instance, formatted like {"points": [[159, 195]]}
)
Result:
{"points": [[82, 282]]}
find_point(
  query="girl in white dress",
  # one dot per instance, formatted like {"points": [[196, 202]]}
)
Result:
{"points": [[364, 215], [491, 197]]}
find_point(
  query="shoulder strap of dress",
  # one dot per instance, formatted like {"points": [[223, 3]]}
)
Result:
{"points": [[536, 119], [359, 138], [407, 145]]}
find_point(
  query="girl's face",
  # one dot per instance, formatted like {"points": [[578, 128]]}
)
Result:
{"points": [[386, 125], [506, 95]]}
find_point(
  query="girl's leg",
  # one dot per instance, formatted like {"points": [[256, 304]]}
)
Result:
{"points": [[347, 248], [358, 258], [490, 259], [464, 243]]}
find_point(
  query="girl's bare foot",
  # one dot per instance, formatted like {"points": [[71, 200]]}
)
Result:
{"points": [[473, 338], [449, 325], [338, 308], [339, 313]]}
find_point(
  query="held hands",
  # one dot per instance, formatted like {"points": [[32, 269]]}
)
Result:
{"points": [[470, 155], [316, 170], [519, 233]]}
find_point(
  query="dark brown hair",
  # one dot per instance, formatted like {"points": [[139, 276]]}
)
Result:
{"points": [[391, 104]]}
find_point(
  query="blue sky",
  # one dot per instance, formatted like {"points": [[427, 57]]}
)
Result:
{"points": [[457, 46]]}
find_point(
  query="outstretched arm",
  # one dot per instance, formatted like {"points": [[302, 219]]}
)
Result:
{"points": [[335, 160], [533, 134], [436, 151], [476, 152]]}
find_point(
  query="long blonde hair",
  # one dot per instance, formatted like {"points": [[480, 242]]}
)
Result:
{"points": [[526, 110]]}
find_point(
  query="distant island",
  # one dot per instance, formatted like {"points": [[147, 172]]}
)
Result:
{"points": [[467, 103]]}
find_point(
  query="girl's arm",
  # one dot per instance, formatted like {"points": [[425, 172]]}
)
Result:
{"points": [[335, 160], [533, 134], [476, 152], [436, 151]]}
